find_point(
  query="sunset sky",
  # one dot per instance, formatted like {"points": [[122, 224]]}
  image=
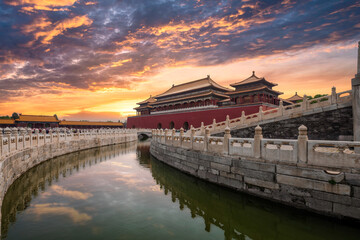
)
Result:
{"points": [[94, 59]]}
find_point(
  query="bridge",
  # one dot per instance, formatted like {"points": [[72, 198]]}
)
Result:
{"points": [[144, 133]]}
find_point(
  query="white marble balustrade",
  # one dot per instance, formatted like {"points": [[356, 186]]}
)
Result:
{"points": [[336, 155], [16, 139]]}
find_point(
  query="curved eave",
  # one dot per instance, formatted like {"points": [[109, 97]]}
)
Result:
{"points": [[190, 97], [254, 90]]}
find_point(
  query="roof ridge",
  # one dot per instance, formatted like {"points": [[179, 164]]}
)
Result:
{"points": [[207, 78], [37, 115]]}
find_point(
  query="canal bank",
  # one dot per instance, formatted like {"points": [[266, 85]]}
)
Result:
{"points": [[121, 192], [17, 160], [328, 193]]}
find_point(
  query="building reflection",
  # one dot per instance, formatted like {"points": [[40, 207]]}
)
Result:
{"points": [[242, 216], [143, 153], [41, 177]]}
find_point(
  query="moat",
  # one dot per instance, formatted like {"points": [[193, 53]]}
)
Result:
{"points": [[121, 192]]}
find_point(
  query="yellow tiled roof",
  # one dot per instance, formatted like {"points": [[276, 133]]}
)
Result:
{"points": [[149, 100], [85, 123], [7, 121], [197, 84], [296, 97], [255, 89], [36, 118], [253, 78]]}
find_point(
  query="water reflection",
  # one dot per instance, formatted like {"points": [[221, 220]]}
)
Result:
{"points": [[42, 177], [242, 216]]}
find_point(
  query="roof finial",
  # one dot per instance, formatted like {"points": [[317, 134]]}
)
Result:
{"points": [[253, 73], [208, 76], [295, 93], [173, 85]]}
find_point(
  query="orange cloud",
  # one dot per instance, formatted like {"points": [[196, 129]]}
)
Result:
{"points": [[37, 24], [49, 33], [47, 5], [44, 3], [90, 3], [120, 62], [184, 35]]}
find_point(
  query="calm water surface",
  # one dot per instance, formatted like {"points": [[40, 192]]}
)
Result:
{"points": [[120, 192]]}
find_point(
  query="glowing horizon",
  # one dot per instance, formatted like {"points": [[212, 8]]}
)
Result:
{"points": [[95, 60]]}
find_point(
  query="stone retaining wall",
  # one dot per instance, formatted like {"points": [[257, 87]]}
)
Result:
{"points": [[14, 165], [314, 189], [328, 125]]}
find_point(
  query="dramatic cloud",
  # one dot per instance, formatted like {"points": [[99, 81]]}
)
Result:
{"points": [[57, 47]]}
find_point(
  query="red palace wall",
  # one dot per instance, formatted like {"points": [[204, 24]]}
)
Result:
{"points": [[193, 118]]}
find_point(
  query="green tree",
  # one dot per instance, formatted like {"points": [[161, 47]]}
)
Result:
{"points": [[15, 116]]}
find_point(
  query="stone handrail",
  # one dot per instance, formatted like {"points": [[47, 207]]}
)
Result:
{"points": [[327, 155], [307, 105], [13, 140]]}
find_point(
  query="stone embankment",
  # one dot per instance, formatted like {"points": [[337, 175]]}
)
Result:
{"points": [[21, 149], [316, 175], [328, 118]]}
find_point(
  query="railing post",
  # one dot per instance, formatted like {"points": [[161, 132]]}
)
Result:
{"points": [[242, 119], [257, 142], [37, 131], [181, 136], [14, 132], [172, 136], [260, 114], [43, 132], [355, 83], [206, 139], [192, 135], [29, 132], [51, 135], [214, 124], [227, 121], [166, 133], [302, 145], [58, 134], [227, 136], [7, 132], [281, 108], [162, 139], [23, 133], [304, 103], [333, 95], [202, 129]]}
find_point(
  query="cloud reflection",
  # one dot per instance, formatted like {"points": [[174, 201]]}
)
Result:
{"points": [[59, 209], [69, 193]]}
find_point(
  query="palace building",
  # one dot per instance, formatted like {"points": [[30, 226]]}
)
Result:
{"points": [[203, 100], [41, 121]]}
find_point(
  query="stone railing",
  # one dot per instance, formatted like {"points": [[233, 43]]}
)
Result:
{"points": [[335, 155], [306, 106], [316, 175], [13, 140]]}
